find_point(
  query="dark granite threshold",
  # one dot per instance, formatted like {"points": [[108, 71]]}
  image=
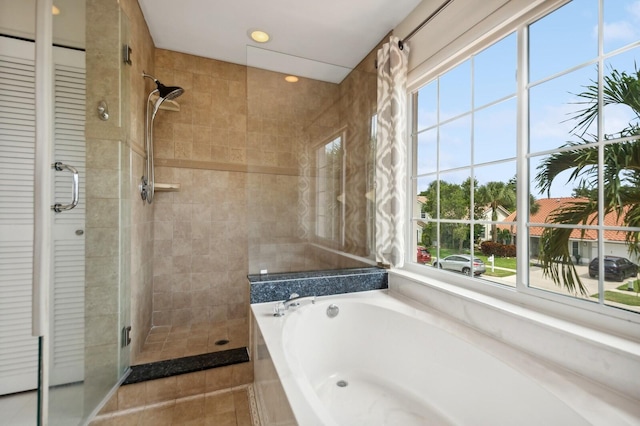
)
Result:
{"points": [[189, 364]]}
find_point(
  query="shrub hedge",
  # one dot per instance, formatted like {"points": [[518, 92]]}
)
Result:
{"points": [[489, 248]]}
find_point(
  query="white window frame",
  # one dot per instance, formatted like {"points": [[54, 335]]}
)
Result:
{"points": [[339, 242], [598, 315]]}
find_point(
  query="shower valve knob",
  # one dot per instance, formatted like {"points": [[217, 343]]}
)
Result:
{"points": [[103, 110]]}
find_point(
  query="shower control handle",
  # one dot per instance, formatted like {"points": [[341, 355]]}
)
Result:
{"points": [[75, 187], [103, 110]]}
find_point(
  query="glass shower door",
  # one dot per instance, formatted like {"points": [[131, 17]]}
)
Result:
{"points": [[67, 292], [89, 272]]}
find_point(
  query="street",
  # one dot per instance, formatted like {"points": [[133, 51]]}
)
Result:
{"points": [[537, 280]]}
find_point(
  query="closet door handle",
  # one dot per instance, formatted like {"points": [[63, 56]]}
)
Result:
{"points": [[74, 187]]}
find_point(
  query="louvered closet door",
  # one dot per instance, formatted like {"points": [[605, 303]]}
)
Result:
{"points": [[18, 349], [67, 296]]}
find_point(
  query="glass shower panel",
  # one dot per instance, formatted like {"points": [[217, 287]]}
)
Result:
{"points": [[310, 159], [90, 243], [124, 229]]}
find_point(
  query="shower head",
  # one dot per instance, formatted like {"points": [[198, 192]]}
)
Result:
{"points": [[170, 92], [165, 92]]}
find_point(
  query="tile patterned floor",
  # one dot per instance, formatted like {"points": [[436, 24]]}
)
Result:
{"points": [[18, 409], [168, 342], [65, 407], [230, 407], [221, 407]]}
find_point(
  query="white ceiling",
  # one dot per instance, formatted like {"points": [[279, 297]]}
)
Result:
{"points": [[17, 19], [321, 39]]}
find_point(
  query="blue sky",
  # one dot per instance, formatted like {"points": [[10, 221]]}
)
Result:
{"points": [[565, 40]]}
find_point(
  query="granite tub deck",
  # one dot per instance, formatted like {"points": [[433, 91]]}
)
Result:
{"points": [[275, 287]]}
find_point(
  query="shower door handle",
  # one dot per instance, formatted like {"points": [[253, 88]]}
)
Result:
{"points": [[57, 207]]}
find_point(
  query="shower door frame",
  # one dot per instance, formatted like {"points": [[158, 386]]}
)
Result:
{"points": [[42, 236]]}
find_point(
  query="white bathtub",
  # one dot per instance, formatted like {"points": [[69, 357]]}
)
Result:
{"points": [[385, 360]]}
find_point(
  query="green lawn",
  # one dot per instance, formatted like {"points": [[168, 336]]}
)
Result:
{"points": [[630, 299], [501, 262], [636, 287], [497, 272]]}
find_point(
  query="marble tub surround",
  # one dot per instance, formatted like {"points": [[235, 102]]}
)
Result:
{"points": [[275, 287], [333, 370], [612, 361]]}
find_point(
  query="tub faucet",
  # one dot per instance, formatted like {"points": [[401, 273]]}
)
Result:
{"points": [[293, 301]]}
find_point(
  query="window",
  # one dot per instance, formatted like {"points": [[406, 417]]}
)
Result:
{"points": [[548, 152], [330, 191]]}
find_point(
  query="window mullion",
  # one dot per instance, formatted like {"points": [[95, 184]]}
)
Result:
{"points": [[522, 166], [601, 147]]}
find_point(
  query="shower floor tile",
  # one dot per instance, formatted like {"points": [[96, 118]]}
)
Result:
{"points": [[166, 342]]}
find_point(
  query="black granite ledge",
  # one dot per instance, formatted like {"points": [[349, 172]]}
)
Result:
{"points": [[189, 364], [274, 287]]}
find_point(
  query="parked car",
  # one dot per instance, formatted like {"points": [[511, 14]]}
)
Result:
{"points": [[617, 268], [461, 263], [423, 255]]}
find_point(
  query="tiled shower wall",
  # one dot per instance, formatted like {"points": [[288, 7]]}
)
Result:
{"points": [[298, 119], [199, 271], [281, 118], [199, 239], [239, 147]]}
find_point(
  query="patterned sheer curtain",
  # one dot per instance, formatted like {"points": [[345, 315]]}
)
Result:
{"points": [[391, 153]]}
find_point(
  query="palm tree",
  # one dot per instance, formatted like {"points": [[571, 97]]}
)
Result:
{"points": [[621, 178], [504, 235], [496, 194], [534, 206]]}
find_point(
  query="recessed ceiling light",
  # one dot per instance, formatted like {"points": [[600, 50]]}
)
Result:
{"points": [[291, 78], [259, 36], [55, 10]]}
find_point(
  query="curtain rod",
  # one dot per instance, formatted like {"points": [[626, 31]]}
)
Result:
{"points": [[425, 22]]}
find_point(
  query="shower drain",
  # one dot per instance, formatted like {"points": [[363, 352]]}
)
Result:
{"points": [[342, 383]]}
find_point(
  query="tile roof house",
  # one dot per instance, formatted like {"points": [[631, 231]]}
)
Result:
{"points": [[583, 243], [502, 215]]}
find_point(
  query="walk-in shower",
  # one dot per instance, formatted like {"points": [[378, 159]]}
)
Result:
{"points": [[164, 93]]}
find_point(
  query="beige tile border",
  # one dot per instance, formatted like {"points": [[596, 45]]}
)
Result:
{"points": [[253, 407], [229, 167]]}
